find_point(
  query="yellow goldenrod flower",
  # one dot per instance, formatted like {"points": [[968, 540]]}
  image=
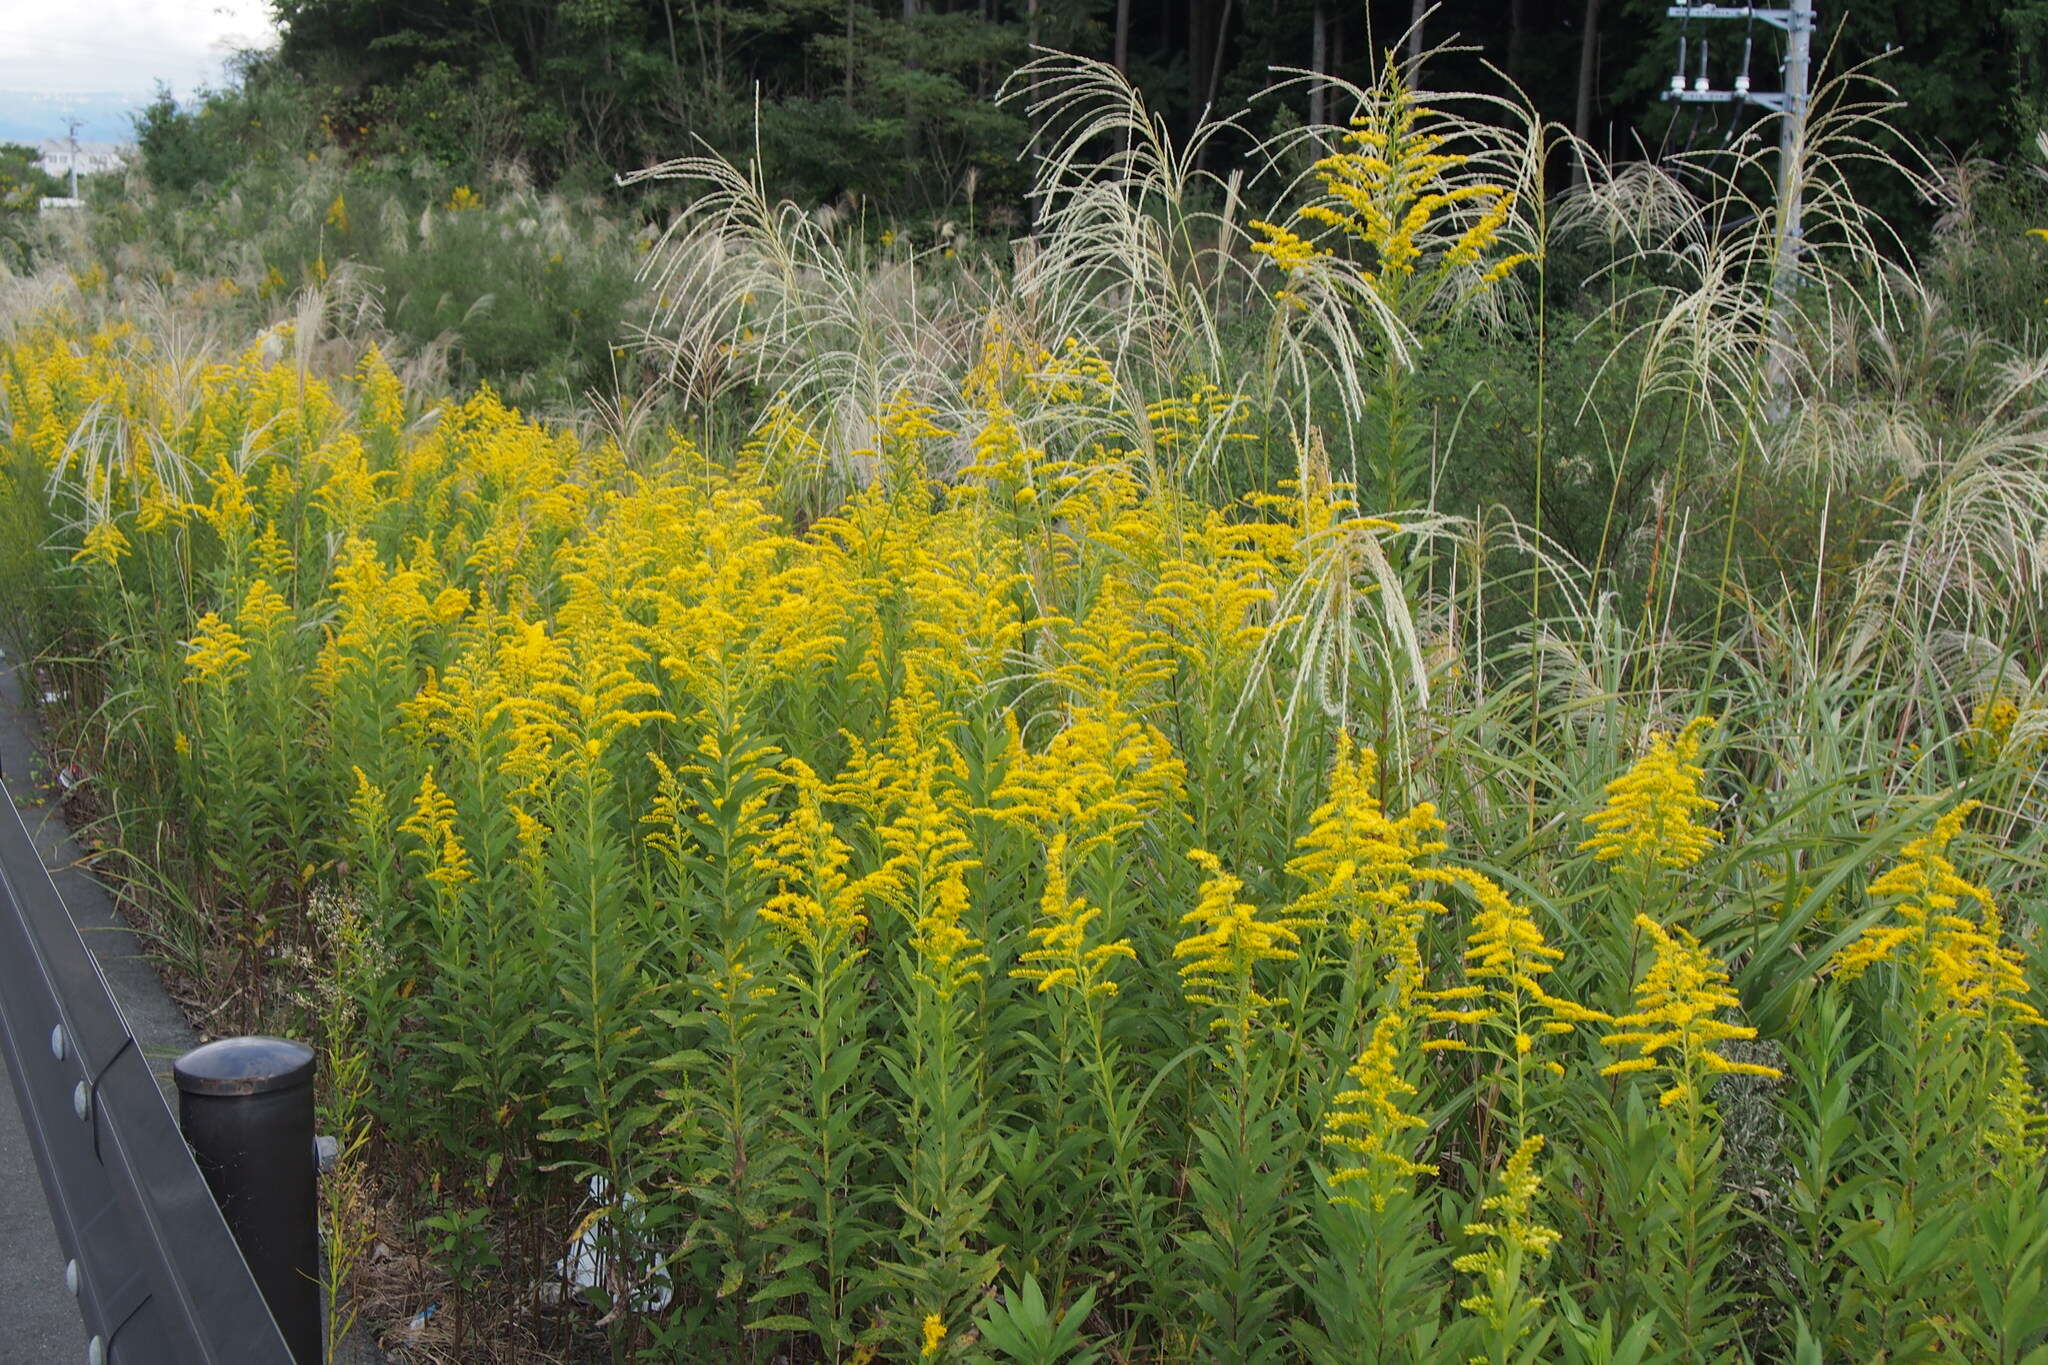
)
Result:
{"points": [[337, 214], [1415, 208], [367, 804], [1062, 956], [1369, 1122], [924, 878], [216, 654], [432, 823], [2004, 727], [1211, 603], [383, 396], [2016, 1128], [1505, 957], [263, 608], [1099, 779], [1648, 818], [816, 904], [229, 511], [1513, 1227], [1288, 250], [1076, 374], [1946, 931], [1359, 863], [104, 544], [1227, 940], [934, 1331], [1002, 362], [1116, 664], [270, 555], [1202, 415], [577, 715], [1679, 1004]]}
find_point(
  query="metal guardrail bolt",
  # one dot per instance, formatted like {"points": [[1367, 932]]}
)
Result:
{"points": [[246, 1107]]}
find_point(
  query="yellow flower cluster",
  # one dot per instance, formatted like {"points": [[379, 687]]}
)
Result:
{"points": [[104, 544], [1370, 1124], [1647, 820], [1512, 1228], [1062, 955], [2004, 727], [1677, 1022], [1201, 415], [1010, 368], [1946, 930], [1505, 960], [1098, 779], [1363, 865], [1407, 200], [217, 653], [816, 904], [1213, 602], [432, 823], [1227, 940]]}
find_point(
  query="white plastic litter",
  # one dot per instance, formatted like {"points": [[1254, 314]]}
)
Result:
{"points": [[585, 1268]]}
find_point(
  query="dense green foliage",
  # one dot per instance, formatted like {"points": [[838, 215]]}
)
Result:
{"points": [[22, 186]]}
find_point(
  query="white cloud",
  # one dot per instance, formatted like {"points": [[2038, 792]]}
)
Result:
{"points": [[124, 46]]}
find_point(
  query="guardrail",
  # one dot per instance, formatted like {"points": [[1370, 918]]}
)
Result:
{"points": [[157, 1274]]}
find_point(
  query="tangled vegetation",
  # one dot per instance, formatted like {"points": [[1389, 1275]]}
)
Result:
{"points": [[1055, 843]]}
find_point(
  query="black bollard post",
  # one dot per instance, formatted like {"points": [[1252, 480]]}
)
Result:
{"points": [[246, 1107]]}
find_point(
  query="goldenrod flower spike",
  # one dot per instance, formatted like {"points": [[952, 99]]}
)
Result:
{"points": [[934, 1333], [817, 904], [262, 608], [1677, 1021], [1515, 1207], [1410, 204], [217, 651], [1647, 820], [1946, 929], [1512, 1228], [1062, 955], [1362, 864], [1227, 942], [1506, 956], [1369, 1123], [432, 823], [2016, 1128], [103, 544], [1098, 780]]}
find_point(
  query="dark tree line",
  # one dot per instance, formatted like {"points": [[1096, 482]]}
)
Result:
{"points": [[893, 101]]}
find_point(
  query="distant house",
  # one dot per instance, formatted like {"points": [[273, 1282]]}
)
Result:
{"points": [[60, 156]]}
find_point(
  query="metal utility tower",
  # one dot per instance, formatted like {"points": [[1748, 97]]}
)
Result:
{"points": [[74, 157], [1790, 104]]}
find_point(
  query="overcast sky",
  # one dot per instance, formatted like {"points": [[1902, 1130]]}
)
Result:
{"points": [[60, 47]]}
